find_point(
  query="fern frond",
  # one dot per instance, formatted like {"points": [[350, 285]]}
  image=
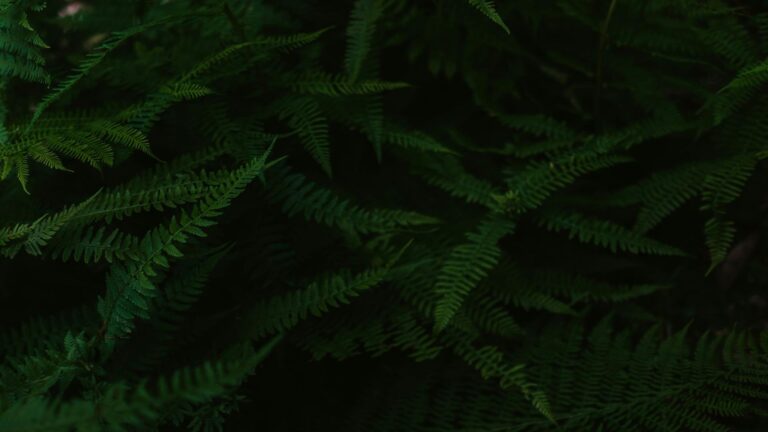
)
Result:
{"points": [[662, 193], [35, 374], [42, 333], [529, 188], [318, 83], [288, 42], [120, 134], [722, 186], [92, 245], [89, 140], [180, 292], [19, 45], [447, 173], [540, 126], [732, 40], [305, 117], [259, 46], [579, 288], [130, 287], [402, 330], [488, 314], [38, 233], [414, 140], [144, 114], [92, 59], [605, 234], [373, 119], [467, 265], [744, 86], [528, 150], [726, 181], [316, 203], [487, 8], [512, 287], [719, 235], [17, 160], [658, 384], [491, 363], [186, 90], [157, 192], [360, 33], [283, 312], [121, 407]]}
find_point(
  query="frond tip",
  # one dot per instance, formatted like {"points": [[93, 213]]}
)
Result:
{"points": [[488, 8]]}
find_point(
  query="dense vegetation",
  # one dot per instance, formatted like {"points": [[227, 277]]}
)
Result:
{"points": [[383, 215]]}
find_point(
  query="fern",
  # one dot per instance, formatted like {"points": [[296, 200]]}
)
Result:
{"points": [[42, 333], [466, 265], [739, 91], [491, 364], [673, 385], [606, 234], [414, 140], [129, 286], [35, 235], [122, 406], [487, 8], [558, 196], [448, 174], [315, 203], [304, 116], [721, 187], [91, 245], [540, 126], [530, 188], [329, 85], [92, 60], [179, 293], [360, 33], [665, 192], [20, 44], [281, 313]]}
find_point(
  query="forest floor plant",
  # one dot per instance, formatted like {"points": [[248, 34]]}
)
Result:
{"points": [[383, 215]]}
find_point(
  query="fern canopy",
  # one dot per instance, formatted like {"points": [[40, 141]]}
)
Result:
{"points": [[383, 215]]}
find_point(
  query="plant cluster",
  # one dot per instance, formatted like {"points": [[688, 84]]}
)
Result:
{"points": [[383, 215]]}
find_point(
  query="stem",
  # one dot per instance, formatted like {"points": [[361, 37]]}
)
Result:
{"points": [[599, 65]]}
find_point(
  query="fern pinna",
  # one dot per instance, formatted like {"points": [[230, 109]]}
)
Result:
{"points": [[383, 215]]}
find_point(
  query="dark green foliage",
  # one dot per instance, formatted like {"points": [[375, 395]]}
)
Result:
{"points": [[383, 215]]}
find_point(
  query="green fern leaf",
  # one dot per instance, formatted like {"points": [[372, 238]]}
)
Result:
{"points": [[91, 60], [487, 8], [20, 44], [664, 192], [305, 117], [719, 234], [281, 313], [321, 205], [605, 234], [130, 287], [531, 186], [467, 265], [318, 83], [360, 32], [121, 406]]}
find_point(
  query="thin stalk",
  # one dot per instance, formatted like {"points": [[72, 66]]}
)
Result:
{"points": [[599, 65]]}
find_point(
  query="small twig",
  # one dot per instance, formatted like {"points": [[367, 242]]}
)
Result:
{"points": [[599, 65]]}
